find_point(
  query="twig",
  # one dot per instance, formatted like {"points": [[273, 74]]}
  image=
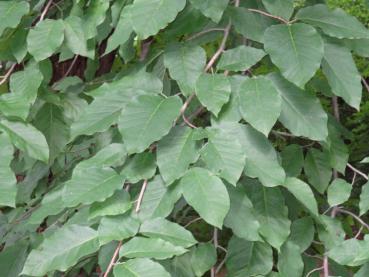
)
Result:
{"points": [[71, 66], [140, 197], [199, 34], [216, 244], [6, 76], [44, 12], [188, 122], [340, 210], [112, 261], [353, 179], [365, 83], [314, 270], [359, 232], [192, 221], [270, 15], [358, 171]]}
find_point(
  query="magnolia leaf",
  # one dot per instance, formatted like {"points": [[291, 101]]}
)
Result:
{"points": [[147, 120], [203, 258], [75, 37], [292, 160], [8, 182], [207, 194], [211, 8], [11, 13], [290, 261], [302, 233], [142, 267], [61, 250], [94, 17], [45, 38], [282, 8], [338, 192], [141, 166], [301, 54]]}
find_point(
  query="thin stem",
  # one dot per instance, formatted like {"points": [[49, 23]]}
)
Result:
{"points": [[6, 76], [340, 210], [358, 171], [192, 221], [112, 261], [140, 197], [71, 66], [199, 34], [359, 232], [216, 244], [314, 270], [269, 15], [365, 84], [46, 9], [188, 122]]}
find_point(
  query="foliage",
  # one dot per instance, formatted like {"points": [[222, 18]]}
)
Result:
{"points": [[183, 138]]}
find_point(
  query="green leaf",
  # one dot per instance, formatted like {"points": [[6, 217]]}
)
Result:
{"points": [[365, 160], [8, 182], [176, 152], [12, 259], [282, 8], [317, 169], [75, 37], [148, 120], [302, 233], [292, 160], [203, 258], [168, 231], [156, 248], [11, 13], [363, 272], [240, 58], [117, 228], [338, 192], [241, 214], [213, 91], [45, 38], [290, 262], [61, 250], [302, 112], [271, 213], [342, 74], [207, 194], [110, 99], [117, 204], [303, 194], [23, 86], [211, 8], [246, 258], [141, 166], [260, 103], [364, 199], [302, 51], [140, 268], [161, 12], [94, 17], [335, 23], [27, 138], [224, 156], [185, 64]]}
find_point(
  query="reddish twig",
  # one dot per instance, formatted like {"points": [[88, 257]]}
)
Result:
{"points": [[112, 261], [140, 197]]}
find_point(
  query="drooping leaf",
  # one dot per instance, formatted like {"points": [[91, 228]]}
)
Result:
{"points": [[335, 23], [11, 13], [168, 231], [260, 103], [282, 8], [8, 182], [45, 38], [343, 77], [302, 112], [185, 64], [141, 166], [27, 138], [12, 259], [75, 37], [292, 160], [176, 152], [290, 262], [338, 192], [211, 8], [207, 194], [302, 233], [203, 258], [213, 91], [147, 120], [61, 250], [142, 267]]}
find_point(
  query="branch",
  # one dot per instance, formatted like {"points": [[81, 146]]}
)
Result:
{"points": [[71, 66], [6, 76], [358, 171], [358, 219], [365, 83], [270, 15], [46, 9], [112, 261], [140, 197], [314, 270], [215, 241]]}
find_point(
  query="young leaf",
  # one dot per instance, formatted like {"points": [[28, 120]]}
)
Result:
{"points": [[338, 192], [211, 8], [8, 182], [142, 267]]}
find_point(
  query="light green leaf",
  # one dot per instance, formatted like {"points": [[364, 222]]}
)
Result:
{"points": [[302, 112], [147, 120], [224, 156], [12, 259], [117, 204], [176, 152], [271, 213], [213, 91], [45, 38], [363, 272], [317, 169], [303, 194], [117, 228], [203, 258], [296, 49], [23, 86], [94, 17], [338, 192], [207, 194], [161, 12], [364, 199], [260, 103], [121, 33], [246, 258], [240, 58], [185, 64], [156, 248], [110, 99], [61, 250], [141, 166], [365, 160], [11, 13], [8, 182], [27, 138], [342, 74], [302, 233], [241, 214], [292, 160], [282, 8], [168, 231], [140, 268], [290, 262], [211, 8], [75, 37], [335, 23]]}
